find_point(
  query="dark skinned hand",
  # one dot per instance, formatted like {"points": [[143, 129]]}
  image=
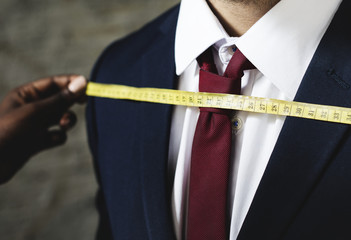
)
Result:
{"points": [[35, 117]]}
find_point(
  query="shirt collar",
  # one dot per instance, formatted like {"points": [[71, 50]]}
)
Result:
{"points": [[197, 29], [281, 44]]}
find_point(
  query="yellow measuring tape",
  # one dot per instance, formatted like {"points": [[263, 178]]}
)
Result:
{"points": [[225, 101]]}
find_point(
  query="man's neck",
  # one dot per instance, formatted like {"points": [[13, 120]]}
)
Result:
{"points": [[237, 16]]}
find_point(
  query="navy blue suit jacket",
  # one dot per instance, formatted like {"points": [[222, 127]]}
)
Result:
{"points": [[305, 192]]}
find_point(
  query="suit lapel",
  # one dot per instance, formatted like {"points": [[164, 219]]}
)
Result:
{"points": [[155, 119], [305, 147]]}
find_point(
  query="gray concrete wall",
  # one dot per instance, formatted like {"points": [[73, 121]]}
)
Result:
{"points": [[52, 197]]}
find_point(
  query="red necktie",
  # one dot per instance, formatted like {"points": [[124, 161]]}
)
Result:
{"points": [[210, 158]]}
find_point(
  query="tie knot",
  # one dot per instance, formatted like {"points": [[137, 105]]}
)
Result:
{"points": [[230, 82], [237, 64]]}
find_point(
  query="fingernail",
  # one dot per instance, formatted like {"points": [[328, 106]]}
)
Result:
{"points": [[77, 84], [64, 122]]}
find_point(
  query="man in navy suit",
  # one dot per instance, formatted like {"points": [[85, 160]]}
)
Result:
{"points": [[289, 178]]}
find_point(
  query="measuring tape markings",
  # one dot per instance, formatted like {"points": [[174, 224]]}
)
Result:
{"points": [[225, 101]]}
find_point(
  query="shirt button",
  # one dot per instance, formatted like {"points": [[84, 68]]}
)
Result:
{"points": [[237, 124], [231, 50]]}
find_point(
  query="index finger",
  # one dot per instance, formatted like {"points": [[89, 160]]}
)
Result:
{"points": [[59, 82], [45, 87]]}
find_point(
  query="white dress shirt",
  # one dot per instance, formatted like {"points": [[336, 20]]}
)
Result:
{"points": [[281, 45]]}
